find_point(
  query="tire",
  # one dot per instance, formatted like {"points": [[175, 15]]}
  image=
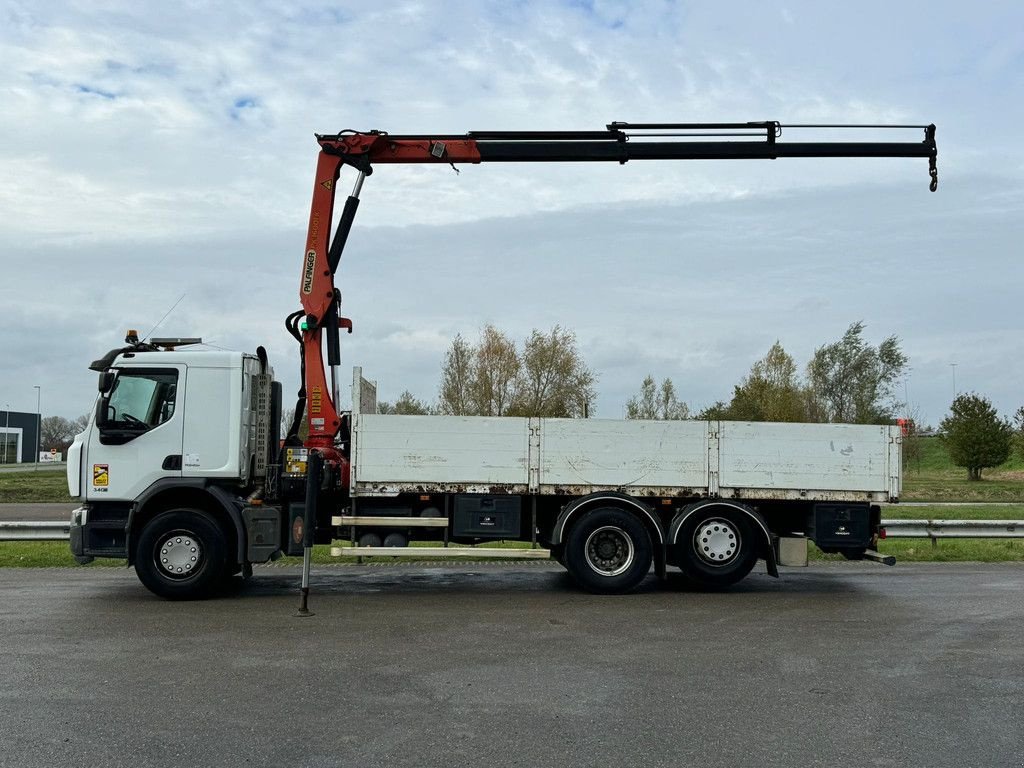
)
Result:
{"points": [[370, 540], [716, 547], [608, 551], [182, 555]]}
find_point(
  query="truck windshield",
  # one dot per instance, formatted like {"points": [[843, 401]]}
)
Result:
{"points": [[142, 399]]}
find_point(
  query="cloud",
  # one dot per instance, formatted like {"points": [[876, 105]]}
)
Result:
{"points": [[695, 292], [149, 152], [214, 108]]}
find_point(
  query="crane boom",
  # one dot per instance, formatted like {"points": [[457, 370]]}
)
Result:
{"points": [[619, 142]]}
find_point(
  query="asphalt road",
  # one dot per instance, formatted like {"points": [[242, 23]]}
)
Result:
{"points": [[37, 511], [49, 466], [499, 665]]}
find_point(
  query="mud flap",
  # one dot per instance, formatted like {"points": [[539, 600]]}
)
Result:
{"points": [[769, 562]]}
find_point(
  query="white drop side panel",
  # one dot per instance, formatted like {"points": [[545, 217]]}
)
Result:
{"points": [[396, 454], [832, 457], [659, 457]]}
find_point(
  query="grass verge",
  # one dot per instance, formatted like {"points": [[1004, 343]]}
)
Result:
{"points": [[931, 476], [949, 485], [944, 551], [44, 554], [44, 485], [954, 512], [954, 550]]}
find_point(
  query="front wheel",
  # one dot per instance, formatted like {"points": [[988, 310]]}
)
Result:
{"points": [[181, 554], [608, 551]]}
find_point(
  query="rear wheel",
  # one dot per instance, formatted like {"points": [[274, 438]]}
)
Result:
{"points": [[716, 548], [370, 540], [182, 554], [608, 551]]}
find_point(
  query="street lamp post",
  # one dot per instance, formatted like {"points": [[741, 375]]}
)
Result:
{"points": [[39, 425], [7, 429]]}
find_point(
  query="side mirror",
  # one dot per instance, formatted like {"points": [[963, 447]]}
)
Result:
{"points": [[101, 412], [106, 381], [109, 435]]}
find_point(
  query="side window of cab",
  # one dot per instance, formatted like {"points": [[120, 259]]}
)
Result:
{"points": [[140, 400]]}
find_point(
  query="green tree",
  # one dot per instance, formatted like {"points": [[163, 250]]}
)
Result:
{"points": [[405, 405], [771, 391], [717, 411], [976, 436], [655, 402], [852, 382]]}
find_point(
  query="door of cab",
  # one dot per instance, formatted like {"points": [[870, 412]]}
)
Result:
{"points": [[137, 434]]}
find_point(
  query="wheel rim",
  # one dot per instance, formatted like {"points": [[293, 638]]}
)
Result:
{"points": [[609, 551], [716, 541], [178, 555]]}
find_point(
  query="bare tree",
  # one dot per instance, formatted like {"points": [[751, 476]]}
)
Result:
{"points": [[457, 379], [655, 402], [287, 417], [58, 432], [493, 378], [554, 381], [496, 371], [913, 446]]}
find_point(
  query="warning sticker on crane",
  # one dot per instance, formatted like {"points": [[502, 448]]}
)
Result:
{"points": [[295, 461]]}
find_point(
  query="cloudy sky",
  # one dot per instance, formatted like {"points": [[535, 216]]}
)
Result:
{"points": [[150, 150]]}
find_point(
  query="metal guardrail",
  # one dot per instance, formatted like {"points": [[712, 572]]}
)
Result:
{"points": [[34, 530], [22, 530], [953, 529]]}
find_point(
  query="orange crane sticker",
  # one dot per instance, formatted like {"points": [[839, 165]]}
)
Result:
{"points": [[100, 474]]}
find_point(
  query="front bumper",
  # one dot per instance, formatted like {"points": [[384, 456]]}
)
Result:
{"points": [[79, 517], [98, 532]]}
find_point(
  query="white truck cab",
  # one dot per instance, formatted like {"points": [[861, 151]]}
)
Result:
{"points": [[182, 414], [172, 429]]}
